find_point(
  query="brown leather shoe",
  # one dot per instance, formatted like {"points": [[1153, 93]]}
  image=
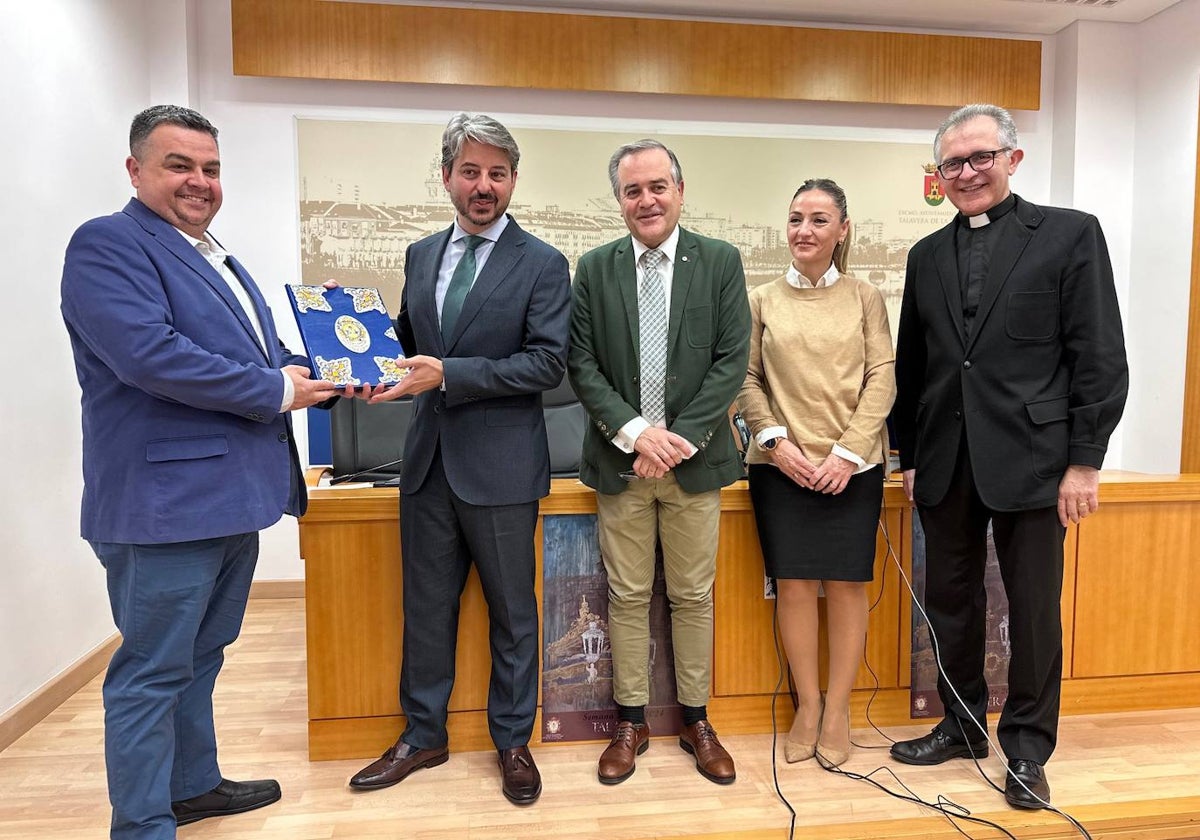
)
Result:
{"points": [[714, 764], [617, 762], [521, 781], [395, 765]]}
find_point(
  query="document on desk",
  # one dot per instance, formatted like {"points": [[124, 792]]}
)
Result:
{"points": [[348, 334]]}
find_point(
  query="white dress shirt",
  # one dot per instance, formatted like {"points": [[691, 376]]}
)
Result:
{"points": [[216, 257], [455, 250], [454, 253]]}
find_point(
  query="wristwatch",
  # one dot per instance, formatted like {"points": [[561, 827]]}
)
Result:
{"points": [[770, 444]]}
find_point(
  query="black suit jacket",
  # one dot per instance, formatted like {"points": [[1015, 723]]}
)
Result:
{"points": [[1040, 383], [509, 345]]}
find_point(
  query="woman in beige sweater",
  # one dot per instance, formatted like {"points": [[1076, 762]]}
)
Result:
{"points": [[817, 393]]}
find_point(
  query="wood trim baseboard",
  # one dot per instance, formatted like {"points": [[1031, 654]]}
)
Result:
{"points": [[277, 588], [25, 715], [29, 712], [1162, 819]]}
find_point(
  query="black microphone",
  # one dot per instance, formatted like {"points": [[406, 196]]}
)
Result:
{"points": [[342, 479]]}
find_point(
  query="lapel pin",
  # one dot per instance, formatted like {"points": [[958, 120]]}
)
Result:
{"points": [[684, 257]]}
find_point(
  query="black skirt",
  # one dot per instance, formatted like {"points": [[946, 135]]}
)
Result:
{"points": [[806, 535]]}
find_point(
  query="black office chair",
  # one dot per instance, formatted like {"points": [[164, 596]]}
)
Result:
{"points": [[369, 438], [566, 422]]}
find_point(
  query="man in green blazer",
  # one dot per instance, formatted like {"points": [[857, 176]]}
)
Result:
{"points": [[660, 331]]}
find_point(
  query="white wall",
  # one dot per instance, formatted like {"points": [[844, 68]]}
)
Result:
{"points": [[1167, 51], [75, 72], [1094, 134]]}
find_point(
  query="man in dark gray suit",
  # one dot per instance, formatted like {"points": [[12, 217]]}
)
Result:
{"points": [[1011, 376], [483, 318]]}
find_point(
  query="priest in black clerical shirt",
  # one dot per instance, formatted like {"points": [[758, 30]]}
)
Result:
{"points": [[1011, 375]]}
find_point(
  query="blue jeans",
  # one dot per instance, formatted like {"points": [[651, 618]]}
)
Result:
{"points": [[177, 606]]}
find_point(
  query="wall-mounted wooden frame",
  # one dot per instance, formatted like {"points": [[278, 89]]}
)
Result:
{"points": [[315, 39]]}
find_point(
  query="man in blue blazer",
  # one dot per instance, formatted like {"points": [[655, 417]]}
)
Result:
{"points": [[484, 318], [187, 454]]}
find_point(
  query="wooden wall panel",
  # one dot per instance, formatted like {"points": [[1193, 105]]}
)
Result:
{"points": [[1189, 461], [420, 44], [745, 660], [355, 621], [1131, 639], [1136, 588]]}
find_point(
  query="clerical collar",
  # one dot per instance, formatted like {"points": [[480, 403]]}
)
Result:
{"points": [[984, 219]]}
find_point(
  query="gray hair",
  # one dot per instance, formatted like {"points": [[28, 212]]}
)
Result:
{"points": [[156, 115], [1006, 128], [632, 149], [481, 129], [830, 187]]}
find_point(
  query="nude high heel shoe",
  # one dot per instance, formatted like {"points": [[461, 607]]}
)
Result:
{"points": [[794, 749], [830, 757]]}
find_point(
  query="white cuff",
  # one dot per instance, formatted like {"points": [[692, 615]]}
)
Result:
{"points": [[770, 432], [289, 393], [628, 434], [843, 452]]}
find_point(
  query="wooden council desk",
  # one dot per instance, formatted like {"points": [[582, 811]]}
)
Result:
{"points": [[1131, 630]]}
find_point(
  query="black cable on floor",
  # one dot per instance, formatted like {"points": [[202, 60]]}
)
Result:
{"points": [[774, 722]]}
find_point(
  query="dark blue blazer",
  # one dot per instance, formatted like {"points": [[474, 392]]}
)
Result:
{"points": [[182, 434], [509, 345]]}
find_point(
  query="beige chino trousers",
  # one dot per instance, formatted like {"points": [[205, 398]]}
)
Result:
{"points": [[687, 525]]}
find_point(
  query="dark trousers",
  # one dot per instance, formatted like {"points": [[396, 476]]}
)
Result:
{"points": [[1029, 548], [440, 537], [177, 606]]}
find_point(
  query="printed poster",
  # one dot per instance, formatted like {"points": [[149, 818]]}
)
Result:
{"points": [[577, 700]]}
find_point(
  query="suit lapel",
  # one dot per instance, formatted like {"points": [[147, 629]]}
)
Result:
{"points": [[1009, 248], [506, 253], [681, 282], [627, 282], [260, 311], [173, 241], [421, 289], [945, 258]]}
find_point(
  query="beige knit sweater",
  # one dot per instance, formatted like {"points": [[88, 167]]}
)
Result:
{"points": [[821, 364]]}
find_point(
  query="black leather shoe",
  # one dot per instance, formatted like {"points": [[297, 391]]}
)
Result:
{"points": [[521, 781], [1032, 791], [395, 765], [935, 748], [225, 799]]}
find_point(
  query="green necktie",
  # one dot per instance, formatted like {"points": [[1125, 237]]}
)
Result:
{"points": [[460, 284]]}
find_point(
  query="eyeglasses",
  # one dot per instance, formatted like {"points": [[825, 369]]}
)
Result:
{"points": [[979, 161]]}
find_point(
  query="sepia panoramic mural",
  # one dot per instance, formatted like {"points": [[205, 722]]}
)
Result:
{"points": [[370, 189]]}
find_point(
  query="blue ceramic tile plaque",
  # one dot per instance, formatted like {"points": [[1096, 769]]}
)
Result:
{"points": [[348, 334]]}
